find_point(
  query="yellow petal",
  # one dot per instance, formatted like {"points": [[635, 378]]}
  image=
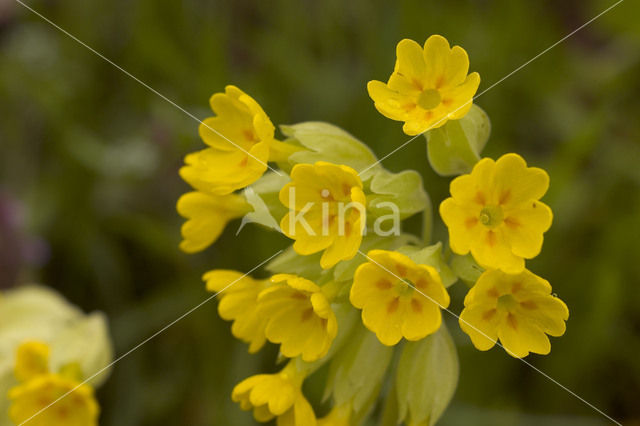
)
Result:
{"points": [[516, 183], [476, 321], [410, 60], [436, 56]]}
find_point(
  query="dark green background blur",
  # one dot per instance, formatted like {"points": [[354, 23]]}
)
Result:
{"points": [[89, 160]]}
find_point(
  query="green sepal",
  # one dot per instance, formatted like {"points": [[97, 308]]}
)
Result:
{"points": [[290, 262], [455, 148], [326, 142], [433, 256], [263, 196], [426, 378], [357, 371], [466, 268], [403, 190]]}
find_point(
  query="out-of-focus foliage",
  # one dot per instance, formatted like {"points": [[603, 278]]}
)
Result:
{"points": [[91, 157]]}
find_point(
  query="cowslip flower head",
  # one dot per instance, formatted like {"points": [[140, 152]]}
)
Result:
{"points": [[328, 211], [518, 309], [207, 215], [239, 138], [298, 316], [429, 85], [276, 395], [238, 298], [38, 389], [391, 308], [494, 213]]}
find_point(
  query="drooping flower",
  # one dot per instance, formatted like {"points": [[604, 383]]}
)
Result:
{"points": [[328, 211], [298, 316], [428, 86], [207, 215], [494, 213], [239, 138], [47, 399], [238, 303], [276, 395], [518, 309], [398, 297]]}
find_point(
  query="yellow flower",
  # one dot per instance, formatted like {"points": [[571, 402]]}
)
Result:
{"points": [[207, 215], [518, 309], [32, 359], [238, 304], [276, 395], [494, 212], [78, 408], [428, 86], [328, 211], [338, 416], [298, 315], [390, 307], [239, 138]]}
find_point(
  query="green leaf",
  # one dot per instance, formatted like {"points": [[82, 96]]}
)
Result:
{"points": [[431, 255], [290, 262], [326, 142], [263, 196], [427, 378], [402, 191], [454, 148]]}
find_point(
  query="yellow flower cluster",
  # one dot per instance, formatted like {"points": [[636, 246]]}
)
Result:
{"points": [[43, 398], [330, 194]]}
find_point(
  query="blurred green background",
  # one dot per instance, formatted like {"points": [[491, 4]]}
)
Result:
{"points": [[89, 160]]}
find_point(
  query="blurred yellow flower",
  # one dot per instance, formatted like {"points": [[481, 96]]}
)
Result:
{"points": [[238, 304], [276, 395], [239, 139], [518, 309], [428, 86], [328, 211], [41, 397], [298, 315], [207, 215], [390, 307], [494, 212], [32, 359]]}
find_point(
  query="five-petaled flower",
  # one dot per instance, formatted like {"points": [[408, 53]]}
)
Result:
{"points": [[398, 297], [518, 309], [43, 398], [298, 315], [494, 212], [240, 137], [238, 297], [328, 211], [428, 86], [276, 395], [207, 215]]}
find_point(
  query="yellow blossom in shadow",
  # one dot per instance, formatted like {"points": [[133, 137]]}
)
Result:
{"points": [[328, 211], [429, 85], [494, 213], [398, 297], [298, 316], [239, 138], [276, 395], [207, 215], [32, 359], [238, 303], [518, 309]]}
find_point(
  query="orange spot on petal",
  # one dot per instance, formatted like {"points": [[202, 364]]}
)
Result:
{"points": [[480, 198], [416, 306], [393, 306], [504, 197], [402, 270], [528, 304], [489, 314], [491, 238], [471, 222], [384, 284], [511, 222], [512, 321]]}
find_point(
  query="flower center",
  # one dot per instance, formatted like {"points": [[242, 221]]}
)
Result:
{"points": [[507, 302], [403, 287], [491, 216], [429, 99]]}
